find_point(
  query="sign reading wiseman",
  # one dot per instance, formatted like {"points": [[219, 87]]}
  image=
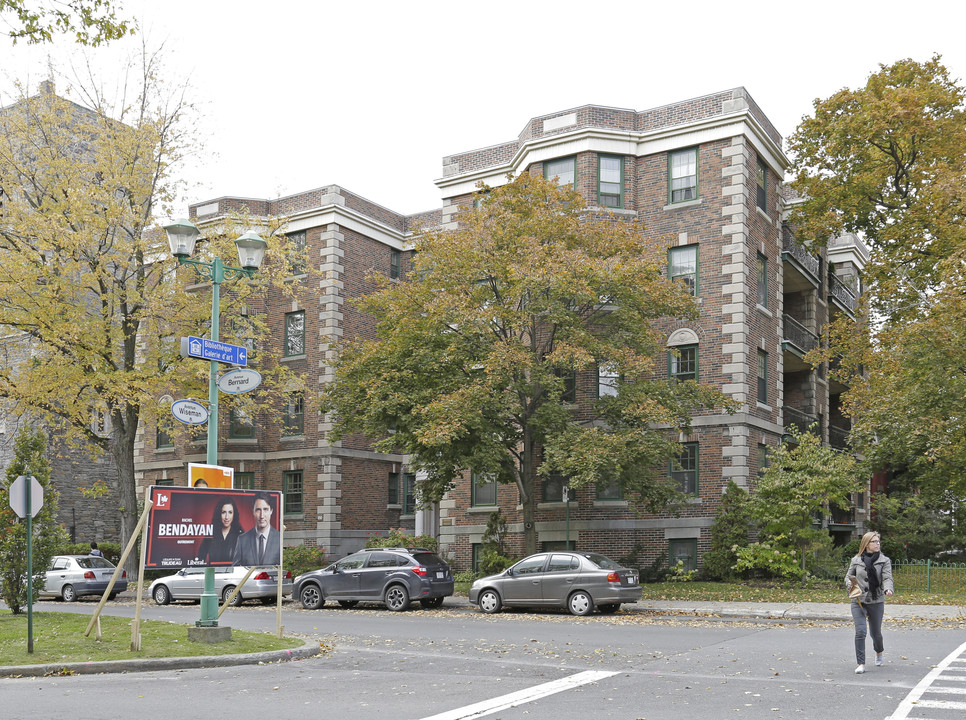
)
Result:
{"points": [[209, 527]]}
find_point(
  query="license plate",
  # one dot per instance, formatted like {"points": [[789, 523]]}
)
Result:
{"points": [[440, 575]]}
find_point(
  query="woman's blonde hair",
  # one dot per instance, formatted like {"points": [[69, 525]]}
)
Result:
{"points": [[866, 539]]}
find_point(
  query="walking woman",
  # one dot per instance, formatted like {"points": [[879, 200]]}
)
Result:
{"points": [[872, 571]]}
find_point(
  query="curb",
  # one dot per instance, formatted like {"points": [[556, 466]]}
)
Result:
{"points": [[309, 649]]}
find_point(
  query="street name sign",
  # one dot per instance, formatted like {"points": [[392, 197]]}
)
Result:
{"points": [[205, 349], [239, 381], [190, 412]]}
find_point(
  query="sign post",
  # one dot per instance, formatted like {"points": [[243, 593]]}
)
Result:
{"points": [[26, 499]]}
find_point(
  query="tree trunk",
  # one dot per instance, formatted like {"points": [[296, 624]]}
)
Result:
{"points": [[122, 447]]}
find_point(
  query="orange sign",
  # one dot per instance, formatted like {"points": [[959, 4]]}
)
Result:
{"points": [[213, 476]]}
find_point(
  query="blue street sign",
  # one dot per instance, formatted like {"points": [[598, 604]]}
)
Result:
{"points": [[204, 349]]}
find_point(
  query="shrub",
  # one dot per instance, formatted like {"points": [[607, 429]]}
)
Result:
{"points": [[769, 559], [730, 529], [112, 550], [398, 537], [303, 558], [679, 574]]}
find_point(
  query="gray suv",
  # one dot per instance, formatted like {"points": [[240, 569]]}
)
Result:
{"points": [[392, 576]]}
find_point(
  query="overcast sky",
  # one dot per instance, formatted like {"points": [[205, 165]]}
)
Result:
{"points": [[372, 95]]}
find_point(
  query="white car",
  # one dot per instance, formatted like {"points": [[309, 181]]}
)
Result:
{"points": [[189, 584], [73, 576]]}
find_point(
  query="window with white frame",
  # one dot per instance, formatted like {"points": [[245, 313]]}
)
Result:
{"points": [[564, 169], [610, 181], [683, 172], [683, 266], [295, 333]]}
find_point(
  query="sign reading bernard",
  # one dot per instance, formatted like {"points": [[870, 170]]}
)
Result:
{"points": [[235, 382], [210, 527]]}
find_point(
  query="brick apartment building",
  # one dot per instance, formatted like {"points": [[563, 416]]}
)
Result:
{"points": [[706, 174]]}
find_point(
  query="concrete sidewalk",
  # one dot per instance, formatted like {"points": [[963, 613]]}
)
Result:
{"points": [[800, 611]]}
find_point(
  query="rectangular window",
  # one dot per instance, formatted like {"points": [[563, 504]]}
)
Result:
{"points": [[395, 263], [477, 550], [165, 481], [409, 498], [610, 181], [292, 489], [683, 266], [569, 377], [683, 171], [553, 486], [683, 551], [244, 481], [243, 329], [295, 333], [297, 256], [763, 460], [240, 425], [607, 379], [762, 377], [683, 362], [293, 422], [684, 468], [164, 439], [483, 490], [393, 494], [609, 490], [762, 280], [564, 169], [762, 195]]}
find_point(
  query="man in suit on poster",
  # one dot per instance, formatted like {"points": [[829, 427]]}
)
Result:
{"points": [[262, 545]]}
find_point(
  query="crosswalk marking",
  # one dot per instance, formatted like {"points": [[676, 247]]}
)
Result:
{"points": [[914, 698], [503, 702]]}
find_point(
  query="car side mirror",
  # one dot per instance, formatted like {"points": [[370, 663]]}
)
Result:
{"points": [[509, 572]]}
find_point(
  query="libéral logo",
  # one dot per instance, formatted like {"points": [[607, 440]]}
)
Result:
{"points": [[162, 501]]}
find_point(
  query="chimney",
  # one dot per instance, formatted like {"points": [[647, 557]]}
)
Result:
{"points": [[47, 87]]}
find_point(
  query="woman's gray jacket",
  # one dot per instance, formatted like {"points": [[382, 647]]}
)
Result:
{"points": [[883, 566]]}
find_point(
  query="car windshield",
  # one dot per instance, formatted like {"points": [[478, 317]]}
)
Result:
{"points": [[603, 562], [93, 561]]}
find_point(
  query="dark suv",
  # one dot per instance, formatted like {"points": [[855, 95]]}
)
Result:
{"points": [[392, 576]]}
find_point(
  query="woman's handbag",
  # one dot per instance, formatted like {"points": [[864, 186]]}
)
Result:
{"points": [[854, 590]]}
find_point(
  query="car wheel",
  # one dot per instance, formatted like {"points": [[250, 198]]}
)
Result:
{"points": [[430, 603], [68, 593], [311, 597], [490, 601], [580, 603], [609, 608], [238, 600], [112, 596], [397, 598], [348, 603], [162, 596], [268, 600]]}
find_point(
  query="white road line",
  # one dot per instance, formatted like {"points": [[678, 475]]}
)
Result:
{"points": [[503, 702], [913, 698]]}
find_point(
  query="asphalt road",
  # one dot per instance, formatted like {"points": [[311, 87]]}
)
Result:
{"points": [[456, 663]]}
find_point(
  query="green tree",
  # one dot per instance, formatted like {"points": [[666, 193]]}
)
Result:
{"points": [[887, 161], [88, 284], [475, 354], [730, 529], [92, 22], [804, 478], [30, 458]]}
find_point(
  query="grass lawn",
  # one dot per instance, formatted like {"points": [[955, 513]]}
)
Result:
{"points": [[775, 592], [59, 638]]}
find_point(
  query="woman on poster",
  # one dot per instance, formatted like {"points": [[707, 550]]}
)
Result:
{"points": [[220, 548]]}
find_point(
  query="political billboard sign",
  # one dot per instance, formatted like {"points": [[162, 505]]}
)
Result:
{"points": [[212, 527], [214, 476]]}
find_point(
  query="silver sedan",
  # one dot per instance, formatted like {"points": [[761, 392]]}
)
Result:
{"points": [[189, 584], [578, 581], [72, 576]]}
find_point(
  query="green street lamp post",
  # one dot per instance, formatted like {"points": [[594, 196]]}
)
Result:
{"points": [[182, 236]]}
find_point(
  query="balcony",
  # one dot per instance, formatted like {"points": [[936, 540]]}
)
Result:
{"points": [[796, 341], [798, 419], [841, 296], [838, 437], [803, 269]]}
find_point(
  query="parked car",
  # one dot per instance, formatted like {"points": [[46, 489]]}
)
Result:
{"points": [[73, 576], [392, 576], [578, 581], [189, 584]]}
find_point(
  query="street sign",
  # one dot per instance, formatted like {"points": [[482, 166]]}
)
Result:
{"points": [[205, 349], [190, 412], [238, 381], [18, 496]]}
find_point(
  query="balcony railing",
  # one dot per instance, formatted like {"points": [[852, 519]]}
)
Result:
{"points": [[798, 335], [842, 294], [838, 437], [802, 421], [808, 262], [841, 516]]}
